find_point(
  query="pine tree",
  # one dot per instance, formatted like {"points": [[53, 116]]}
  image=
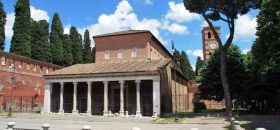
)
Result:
{"points": [[87, 48], [2, 26], [56, 40], [198, 66], [40, 46], [186, 66], [77, 50], [67, 53], [21, 40]]}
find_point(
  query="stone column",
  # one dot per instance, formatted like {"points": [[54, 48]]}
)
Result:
{"points": [[61, 110], [47, 98], [121, 98], [89, 98], [75, 111], [138, 104], [156, 97], [105, 111]]}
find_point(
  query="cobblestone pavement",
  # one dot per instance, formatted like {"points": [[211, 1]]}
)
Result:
{"points": [[34, 121]]}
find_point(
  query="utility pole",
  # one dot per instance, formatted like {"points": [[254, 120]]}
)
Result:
{"points": [[174, 70], [12, 90]]}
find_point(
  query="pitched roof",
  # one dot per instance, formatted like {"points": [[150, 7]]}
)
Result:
{"points": [[112, 67], [122, 33]]}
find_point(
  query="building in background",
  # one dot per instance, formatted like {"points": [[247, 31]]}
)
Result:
{"points": [[209, 43], [133, 75], [28, 83]]}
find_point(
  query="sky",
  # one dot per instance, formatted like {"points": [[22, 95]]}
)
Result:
{"points": [[166, 19]]}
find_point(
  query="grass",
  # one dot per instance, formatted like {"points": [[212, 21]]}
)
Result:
{"points": [[169, 120]]}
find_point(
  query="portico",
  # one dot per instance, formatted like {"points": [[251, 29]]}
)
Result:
{"points": [[104, 95]]}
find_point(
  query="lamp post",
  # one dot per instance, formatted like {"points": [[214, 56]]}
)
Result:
{"points": [[174, 70], [12, 91]]}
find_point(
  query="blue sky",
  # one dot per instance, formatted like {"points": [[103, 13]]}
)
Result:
{"points": [[166, 19]]}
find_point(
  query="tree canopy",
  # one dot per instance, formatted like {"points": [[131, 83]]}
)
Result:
{"points": [[21, 40], [2, 26], [87, 49], [77, 46]]}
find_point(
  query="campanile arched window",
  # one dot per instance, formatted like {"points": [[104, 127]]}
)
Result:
{"points": [[209, 35]]}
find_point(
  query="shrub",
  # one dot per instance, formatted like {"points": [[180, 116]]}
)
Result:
{"points": [[199, 106]]}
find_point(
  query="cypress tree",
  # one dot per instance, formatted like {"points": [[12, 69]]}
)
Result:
{"points": [[186, 66], [67, 53], [77, 49], [56, 40], [87, 48], [21, 40], [2, 26], [40, 46], [198, 65]]}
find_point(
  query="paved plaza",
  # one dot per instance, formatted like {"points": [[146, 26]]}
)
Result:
{"points": [[34, 121]]}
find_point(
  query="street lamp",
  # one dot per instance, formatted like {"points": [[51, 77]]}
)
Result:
{"points": [[174, 70], [12, 91]]}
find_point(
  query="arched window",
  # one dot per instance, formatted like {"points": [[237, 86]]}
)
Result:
{"points": [[120, 53], [134, 52], [3, 60], [107, 54], [209, 35]]}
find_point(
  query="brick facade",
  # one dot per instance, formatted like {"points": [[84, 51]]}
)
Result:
{"points": [[29, 81]]}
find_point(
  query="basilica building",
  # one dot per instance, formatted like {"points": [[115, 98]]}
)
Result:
{"points": [[133, 75]]}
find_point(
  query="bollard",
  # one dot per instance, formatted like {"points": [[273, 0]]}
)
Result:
{"points": [[10, 125], [86, 127], [231, 123], [126, 114], [135, 128], [46, 126], [260, 129], [194, 129]]}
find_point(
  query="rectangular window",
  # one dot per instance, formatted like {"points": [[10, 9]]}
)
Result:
{"points": [[28, 66], [12, 63], [41, 69], [35, 68], [120, 54], [20, 64], [3, 60], [107, 55]]}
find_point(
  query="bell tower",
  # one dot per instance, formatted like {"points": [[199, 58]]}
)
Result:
{"points": [[209, 43]]}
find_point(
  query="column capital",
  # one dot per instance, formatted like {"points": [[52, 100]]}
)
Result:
{"points": [[121, 81], [89, 82], [156, 79], [61, 83], [137, 81], [75, 83], [105, 82]]}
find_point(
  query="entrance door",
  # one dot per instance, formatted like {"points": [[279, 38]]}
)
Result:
{"points": [[116, 99]]}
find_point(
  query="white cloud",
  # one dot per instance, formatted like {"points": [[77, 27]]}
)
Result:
{"points": [[123, 18], [178, 13], [67, 29], [38, 14], [149, 2], [9, 25], [245, 28], [204, 24], [195, 53], [175, 28], [245, 51]]}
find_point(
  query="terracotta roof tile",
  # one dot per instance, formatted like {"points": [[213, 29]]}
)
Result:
{"points": [[113, 67]]}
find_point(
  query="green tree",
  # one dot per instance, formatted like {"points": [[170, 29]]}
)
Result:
{"points": [[40, 46], [67, 53], [2, 26], [226, 11], [186, 66], [77, 49], [21, 40], [198, 65], [87, 48], [266, 55], [56, 40], [211, 85]]}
